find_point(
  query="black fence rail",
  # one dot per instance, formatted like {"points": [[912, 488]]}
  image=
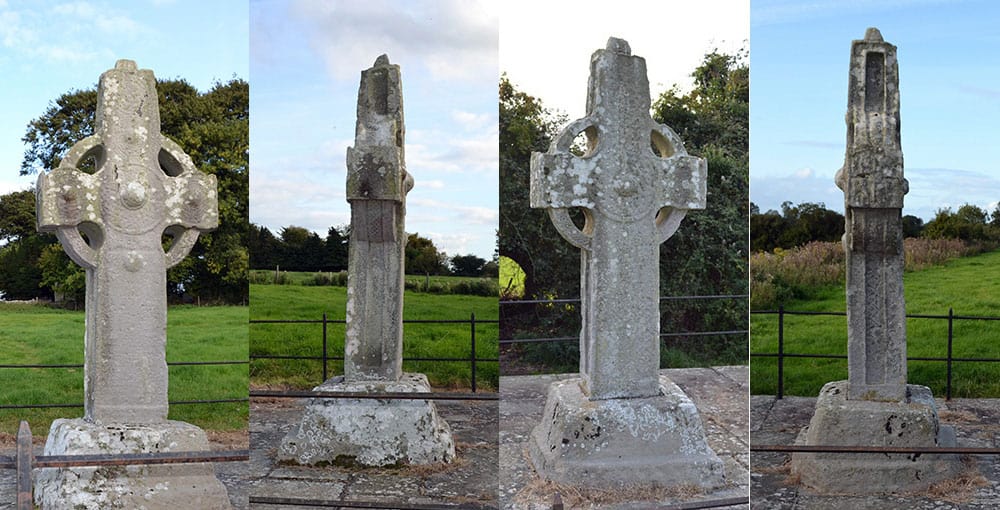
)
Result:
{"points": [[80, 366], [949, 359], [663, 336], [325, 356], [25, 461]]}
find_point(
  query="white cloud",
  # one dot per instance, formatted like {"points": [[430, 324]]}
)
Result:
{"points": [[473, 121], [453, 39], [805, 173]]}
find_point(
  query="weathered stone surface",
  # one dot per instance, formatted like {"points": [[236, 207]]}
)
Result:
{"points": [[144, 186], [613, 443], [839, 421], [873, 184], [633, 200], [149, 487], [377, 184], [366, 431], [369, 431]]}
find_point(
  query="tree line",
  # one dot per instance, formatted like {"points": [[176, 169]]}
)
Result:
{"points": [[796, 225], [212, 127], [299, 249]]}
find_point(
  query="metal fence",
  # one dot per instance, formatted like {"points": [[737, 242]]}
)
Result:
{"points": [[663, 336], [949, 359], [26, 461], [325, 356]]}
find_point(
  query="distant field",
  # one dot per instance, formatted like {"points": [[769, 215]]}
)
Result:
{"points": [[971, 286], [32, 334], [420, 340]]}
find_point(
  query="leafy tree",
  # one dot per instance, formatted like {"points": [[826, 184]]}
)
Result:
{"points": [[550, 264], [336, 249], [968, 224], [263, 247], [20, 248], [422, 257], [467, 265], [213, 129], [912, 226], [61, 274], [794, 226]]}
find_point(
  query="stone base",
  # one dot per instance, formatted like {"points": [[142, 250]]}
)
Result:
{"points": [[841, 422], [652, 441], [369, 431], [169, 486]]}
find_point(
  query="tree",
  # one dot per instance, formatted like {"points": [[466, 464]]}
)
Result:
{"points": [[912, 226], [263, 247], [213, 129], [422, 257], [794, 226], [527, 236], [968, 224], [467, 265], [336, 248], [21, 246]]}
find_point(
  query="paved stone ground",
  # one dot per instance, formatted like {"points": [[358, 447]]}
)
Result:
{"points": [[976, 422], [720, 394], [232, 474], [471, 479]]}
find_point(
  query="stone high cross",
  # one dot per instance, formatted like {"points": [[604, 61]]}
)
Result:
{"points": [[144, 186], [377, 184], [873, 184], [632, 199]]}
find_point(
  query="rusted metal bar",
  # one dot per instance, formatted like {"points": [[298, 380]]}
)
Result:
{"points": [[472, 351], [24, 464], [377, 396], [557, 503], [708, 503], [961, 450], [262, 500], [133, 459]]}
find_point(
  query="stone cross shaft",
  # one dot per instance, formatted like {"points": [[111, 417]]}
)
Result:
{"points": [[632, 199], [112, 223], [873, 185], [377, 184]]}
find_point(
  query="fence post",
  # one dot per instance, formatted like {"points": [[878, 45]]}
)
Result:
{"points": [[472, 355], [781, 351], [947, 390], [324, 348], [557, 503], [25, 459]]}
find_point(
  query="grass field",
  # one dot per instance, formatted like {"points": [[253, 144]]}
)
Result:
{"points": [[420, 340], [971, 286], [32, 334]]}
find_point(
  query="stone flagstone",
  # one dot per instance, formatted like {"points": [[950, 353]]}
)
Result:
{"points": [[620, 422], [875, 406], [144, 186], [369, 431]]}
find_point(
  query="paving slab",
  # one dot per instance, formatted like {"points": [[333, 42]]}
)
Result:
{"points": [[470, 479], [720, 393], [774, 421]]}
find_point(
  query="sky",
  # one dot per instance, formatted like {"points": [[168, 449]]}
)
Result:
{"points": [[49, 48], [949, 81], [545, 46], [306, 59]]}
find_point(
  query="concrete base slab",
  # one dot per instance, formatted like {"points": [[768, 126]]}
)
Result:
{"points": [[838, 421], [370, 432], [653, 441], [169, 486]]}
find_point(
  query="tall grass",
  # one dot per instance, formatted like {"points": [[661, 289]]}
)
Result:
{"points": [[784, 275]]}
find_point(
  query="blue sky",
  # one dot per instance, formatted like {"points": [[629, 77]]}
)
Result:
{"points": [[48, 48], [949, 68], [306, 62]]}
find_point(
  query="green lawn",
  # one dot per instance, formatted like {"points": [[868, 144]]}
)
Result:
{"points": [[41, 335], [971, 286], [420, 340]]}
